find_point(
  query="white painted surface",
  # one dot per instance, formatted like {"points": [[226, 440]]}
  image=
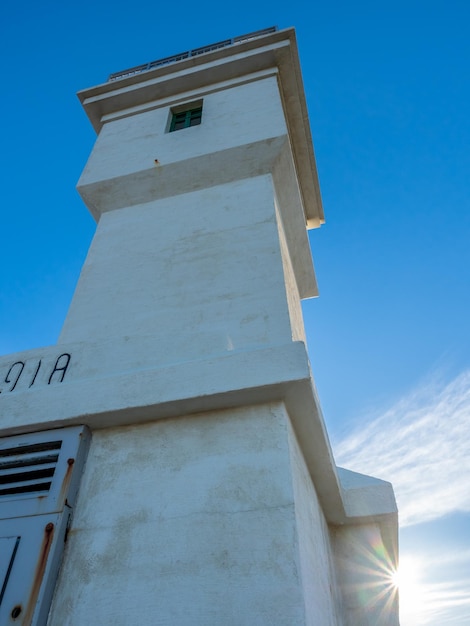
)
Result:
{"points": [[232, 116], [242, 134], [113, 383], [189, 305], [276, 52], [320, 593], [291, 214], [364, 569], [201, 272], [187, 522], [291, 287]]}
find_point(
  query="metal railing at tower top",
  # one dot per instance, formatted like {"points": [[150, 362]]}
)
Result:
{"points": [[190, 53]]}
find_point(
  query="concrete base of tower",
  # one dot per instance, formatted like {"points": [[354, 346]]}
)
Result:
{"points": [[205, 519]]}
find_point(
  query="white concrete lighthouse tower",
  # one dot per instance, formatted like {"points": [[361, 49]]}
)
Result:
{"points": [[209, 495]]}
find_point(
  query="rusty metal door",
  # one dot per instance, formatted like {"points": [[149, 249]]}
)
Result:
{"points": [[39, 478]]}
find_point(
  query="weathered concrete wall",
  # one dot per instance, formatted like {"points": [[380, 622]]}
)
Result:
{"points": [[364, 570], [187, 317], [321, 595], [200, 273], [234, 115], [194, 521], [291, 287]]}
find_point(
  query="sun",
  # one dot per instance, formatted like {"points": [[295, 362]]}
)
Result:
{"points": [[407, 574], [407, 579]]}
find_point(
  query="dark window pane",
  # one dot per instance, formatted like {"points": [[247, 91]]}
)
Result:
{"points": [[185, 119]]}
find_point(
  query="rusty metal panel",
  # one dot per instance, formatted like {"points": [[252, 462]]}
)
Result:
{"points": [[39, 472], [39, 477]]}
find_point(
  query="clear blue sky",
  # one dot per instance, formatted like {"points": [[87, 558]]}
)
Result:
{"points": [[388, 91]]}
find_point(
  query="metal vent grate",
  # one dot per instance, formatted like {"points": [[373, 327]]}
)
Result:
{"points": [[39, 478], [28, 469]]}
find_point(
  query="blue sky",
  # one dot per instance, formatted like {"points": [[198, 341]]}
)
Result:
{"points": [[388, 92]]}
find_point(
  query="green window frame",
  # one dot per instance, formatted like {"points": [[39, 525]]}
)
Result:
{"points": [[186, 119]]}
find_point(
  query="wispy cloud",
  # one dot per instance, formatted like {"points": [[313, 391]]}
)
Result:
{"points": [[422, 445], [437, 595]]}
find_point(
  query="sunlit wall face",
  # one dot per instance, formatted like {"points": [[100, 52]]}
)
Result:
{"points": [[367, 576]]}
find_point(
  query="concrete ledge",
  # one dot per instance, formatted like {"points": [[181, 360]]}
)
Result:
{"points": [[108, 385], [103, 386], [365, 496], [367, 499], [161, 181]]}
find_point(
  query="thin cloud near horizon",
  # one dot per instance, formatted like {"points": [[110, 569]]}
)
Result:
{"points": [[444, 602]]}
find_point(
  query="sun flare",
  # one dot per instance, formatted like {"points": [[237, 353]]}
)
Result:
{"points": [[407, 579]]}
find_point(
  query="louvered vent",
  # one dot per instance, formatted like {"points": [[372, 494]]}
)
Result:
{"points": [[39, 478], [28, 469]]}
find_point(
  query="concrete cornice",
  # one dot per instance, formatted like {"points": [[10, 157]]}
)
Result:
{"points": [[275, 50], [136, 392]]}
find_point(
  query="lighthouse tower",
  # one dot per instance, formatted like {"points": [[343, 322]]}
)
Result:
{"points": [[204, 489]]}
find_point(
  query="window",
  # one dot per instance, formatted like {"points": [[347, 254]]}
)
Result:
{"points": [[39, 477], [184, 118]]}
